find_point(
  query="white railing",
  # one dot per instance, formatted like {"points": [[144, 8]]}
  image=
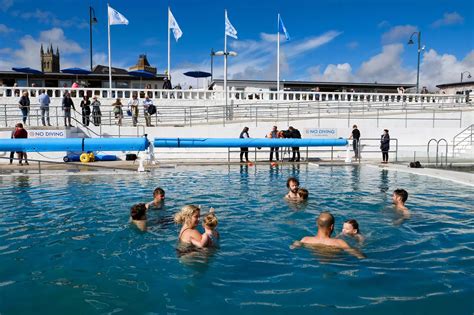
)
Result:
{"points": [[10, 94]]}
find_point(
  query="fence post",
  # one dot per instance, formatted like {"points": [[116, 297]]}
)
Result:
{"points": [[434, 111], [6, 115], [406, 117], [332, 153], [396, 150], [319, 115], [256, 119], [57, 122], [190, 117], [378, 117], [288, 117]]}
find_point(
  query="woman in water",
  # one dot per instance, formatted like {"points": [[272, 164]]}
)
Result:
{"points": [[188, 216]]}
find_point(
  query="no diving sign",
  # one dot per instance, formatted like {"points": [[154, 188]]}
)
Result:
{"points": [[320, 133]]}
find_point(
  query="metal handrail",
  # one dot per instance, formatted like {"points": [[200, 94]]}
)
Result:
{"points": [[470, 135], [189, 115], [437, 151]]}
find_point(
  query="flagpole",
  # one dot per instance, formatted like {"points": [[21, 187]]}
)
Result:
{"points": [[169, 45], [278, 56], [110, 56], [225, 60]]}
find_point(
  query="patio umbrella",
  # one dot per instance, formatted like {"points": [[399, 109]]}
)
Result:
{"points": [[28, 71], [76, 71], [142, 74], [197, 75]]}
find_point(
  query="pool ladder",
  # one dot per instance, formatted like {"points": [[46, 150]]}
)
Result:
{"points": [[437, 152]]}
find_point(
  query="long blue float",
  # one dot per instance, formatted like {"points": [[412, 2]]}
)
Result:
{"points": [[141, 144], [74, 144], [251, 142]]}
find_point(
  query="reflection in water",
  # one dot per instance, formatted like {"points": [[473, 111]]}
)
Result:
{"points": [[295, 170], [355, 177], [384, 183], [23, 181]]}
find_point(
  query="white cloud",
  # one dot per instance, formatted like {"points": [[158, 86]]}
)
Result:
{"points": [[398, 33], [5, 5], [28, 54], [151, 41], [387, 67], [257, 58], [383, 24], [353, 45], [449, 19], [6, 51], [5, 29], [49, 18]]}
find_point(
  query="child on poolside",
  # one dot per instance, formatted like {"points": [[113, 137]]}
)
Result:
{"points": [[351, 228], [210, 236], [158, 199], [303, 194], [138, 216]]}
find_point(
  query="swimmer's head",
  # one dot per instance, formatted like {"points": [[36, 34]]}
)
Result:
{"points": [[350, 227], [159, 193], [303, 193], [138, 212], [399, 195], [326, 222], [293, 184], [188, 215], [210, 221]]}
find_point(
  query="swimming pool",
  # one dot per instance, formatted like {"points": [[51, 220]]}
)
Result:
{"points": [[66, 246]]}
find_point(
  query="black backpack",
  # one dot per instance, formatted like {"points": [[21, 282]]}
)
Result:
{"points": [[151, 109]]}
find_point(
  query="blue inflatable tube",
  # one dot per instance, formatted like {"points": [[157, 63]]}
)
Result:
{"points": [[74, 144], [250, 143]]}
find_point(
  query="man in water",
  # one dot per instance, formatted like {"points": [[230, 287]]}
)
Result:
{"points": [[292, 184], [158, 199], [325, 224], [399, 197]]}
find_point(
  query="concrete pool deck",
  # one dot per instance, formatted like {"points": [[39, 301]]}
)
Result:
{"points": [[42, 167]]}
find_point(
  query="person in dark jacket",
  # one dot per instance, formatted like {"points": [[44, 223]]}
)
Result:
{"points": [[67, 105], [244, 151], [385, 145], [86, 110], [24, 104], [21, 133], [295, 134], [355, 136]]}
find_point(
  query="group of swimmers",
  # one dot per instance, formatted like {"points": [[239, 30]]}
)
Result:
{"points": [[189, 216]]}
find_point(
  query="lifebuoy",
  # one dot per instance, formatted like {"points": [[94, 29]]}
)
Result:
{"points": [[85, 158]]}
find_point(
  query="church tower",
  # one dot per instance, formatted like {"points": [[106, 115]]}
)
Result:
{"points": [[49, 59]]}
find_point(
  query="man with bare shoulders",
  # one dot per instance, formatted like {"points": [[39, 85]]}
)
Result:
{"points": [[325, 224], [293, 185], [399, 198]]}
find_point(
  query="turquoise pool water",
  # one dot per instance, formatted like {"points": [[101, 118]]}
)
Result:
{"points": [[66, 246]]}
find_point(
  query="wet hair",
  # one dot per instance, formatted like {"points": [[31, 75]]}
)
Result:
{"points": [[402, 193], [325, 220], [138, 212], [354, 224], [158, 191], [210, 221], [303, 193], [185, 213], [292, 179]]}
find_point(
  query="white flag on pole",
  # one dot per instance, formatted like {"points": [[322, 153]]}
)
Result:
{"points": [[174, 26], [282, 29], [115, 18], [229, 28]]}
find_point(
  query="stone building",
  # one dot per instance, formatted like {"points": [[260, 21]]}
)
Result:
{"points": [[50, 60]]}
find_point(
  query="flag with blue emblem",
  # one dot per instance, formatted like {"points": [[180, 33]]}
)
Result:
{"points": [[229, 28], [282, 29], [115, 18], [173, 25]]}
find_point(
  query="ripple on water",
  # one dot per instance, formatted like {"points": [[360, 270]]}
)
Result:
{"points": [[72, 233]]}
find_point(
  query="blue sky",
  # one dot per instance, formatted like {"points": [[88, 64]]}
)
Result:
{"points": [[331, 40]]}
